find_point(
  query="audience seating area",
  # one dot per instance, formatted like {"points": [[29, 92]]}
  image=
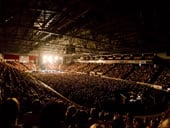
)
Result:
{"points": [[147, 73], [75, 99]]}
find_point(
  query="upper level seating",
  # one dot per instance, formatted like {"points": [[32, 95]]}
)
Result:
{"points": [[18, 65], [89, 67], [30, 66], [120, 70], [164, 77], [71, 67], [146, 73], [77, 67], [103, 68], [143, 73]]}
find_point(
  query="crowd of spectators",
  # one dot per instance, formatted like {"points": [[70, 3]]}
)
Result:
{"points": [[22, 66], [56, 114], [25, 102], [104, 93], [147, 73]]}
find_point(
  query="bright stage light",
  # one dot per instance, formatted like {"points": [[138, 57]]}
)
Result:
{"points": [[60, 58], [47, 59], [44, 59], [56, 58], [50, 59]]}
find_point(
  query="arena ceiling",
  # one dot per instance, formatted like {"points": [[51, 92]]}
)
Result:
{"points": [[83, 26]]}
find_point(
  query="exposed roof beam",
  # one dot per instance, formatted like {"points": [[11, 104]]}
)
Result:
{"points": [[55, 33]]}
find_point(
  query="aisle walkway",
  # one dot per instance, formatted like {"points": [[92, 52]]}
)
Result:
{"points": [[159, 87]]}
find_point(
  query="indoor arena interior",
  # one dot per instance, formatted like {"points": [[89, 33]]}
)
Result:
{"points": [[84, 64]]}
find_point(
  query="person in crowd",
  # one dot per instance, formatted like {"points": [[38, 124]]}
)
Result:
{"points": [[53, 115], [94, 116], [118, 121], [165, 123], [70, 116], [82, 119], [32, 119], [9, 113], [129, 120]]}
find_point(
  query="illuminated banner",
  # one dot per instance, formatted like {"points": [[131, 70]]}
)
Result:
{"points": [[24, 59]]}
